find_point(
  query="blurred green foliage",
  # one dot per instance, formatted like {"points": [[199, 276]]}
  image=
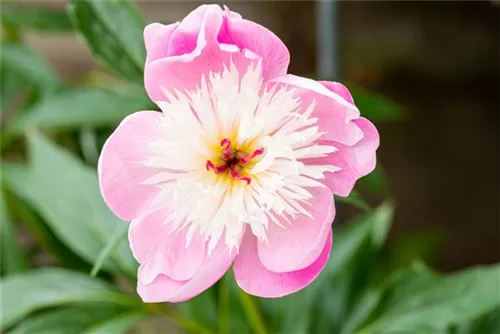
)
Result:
{"points": [[50, 190]]}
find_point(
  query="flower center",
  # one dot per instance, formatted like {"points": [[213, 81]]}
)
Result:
{"points": [[233, 161]]}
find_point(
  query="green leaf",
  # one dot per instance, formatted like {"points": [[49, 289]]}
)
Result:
{"points": [[114, 242], [426, 302], [376, 181], [355, 200], [362, 310], [381, 223], [375, 107], [12, 258], [485, 324], [39, 19], [27, 66], [11, 85], [14, 177], [66, 320], [119, 324], [201, 309], [331, 290], [31, 291], [114, 32], [80, 107], [66, 194]]}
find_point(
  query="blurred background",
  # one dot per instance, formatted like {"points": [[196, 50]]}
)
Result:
{"points": [[427, 73], [439, 61]]}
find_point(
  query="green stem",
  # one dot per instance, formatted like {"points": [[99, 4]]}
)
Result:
{"points": [[252, 312], [223, 306]]}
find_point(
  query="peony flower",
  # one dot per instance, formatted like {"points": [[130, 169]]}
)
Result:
{"points": [[239, 168]]}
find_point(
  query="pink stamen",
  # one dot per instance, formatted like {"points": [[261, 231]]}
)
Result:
{"points": [[217, 169], [226, 154], [246, 160], [236, 175], [231, 160]]}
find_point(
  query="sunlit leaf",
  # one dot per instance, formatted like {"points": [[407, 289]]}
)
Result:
{"points": [[420, 301], [66, 194], [113, 30], [65, 320], [27, 292], [80, 107]]}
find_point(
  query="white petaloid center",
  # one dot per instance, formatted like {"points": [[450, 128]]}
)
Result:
{"points": [[232, 154]]}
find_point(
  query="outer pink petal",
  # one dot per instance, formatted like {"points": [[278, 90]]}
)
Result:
{"points": [[184, 72], [186, 35], [356, 161], [157, 38], [255, 279], [339, 89], [160, 250], [120, 167], [298, 245], [335, 114], [260, 40], [165, 289]]}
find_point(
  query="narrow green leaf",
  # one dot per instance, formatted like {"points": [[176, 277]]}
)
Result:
{"points": [[376, 107], [66, 194], [119, 324], [349, 239], [355, 200], [12, 258], [381, 223], [27, 66], [114, 242], [25, 293], [39, 19], [114, 32], [80, 107], [362, 310], [66, 320], [428, 302], [253, 312]]}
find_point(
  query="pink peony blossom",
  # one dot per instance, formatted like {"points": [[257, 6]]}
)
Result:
{"points": [[239, 168]]}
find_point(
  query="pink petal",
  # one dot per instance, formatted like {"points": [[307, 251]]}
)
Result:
{"points": [[339, 89], [335, 114], [356, 161], [185, 38], [165, 289], [185, 71], [157, 38], [121, 169], [298, 245], [255, 279], [160, 250], [261, 41]]}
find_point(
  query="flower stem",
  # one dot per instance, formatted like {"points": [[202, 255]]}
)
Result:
{"points": [[252, 312], [223, 306]]}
